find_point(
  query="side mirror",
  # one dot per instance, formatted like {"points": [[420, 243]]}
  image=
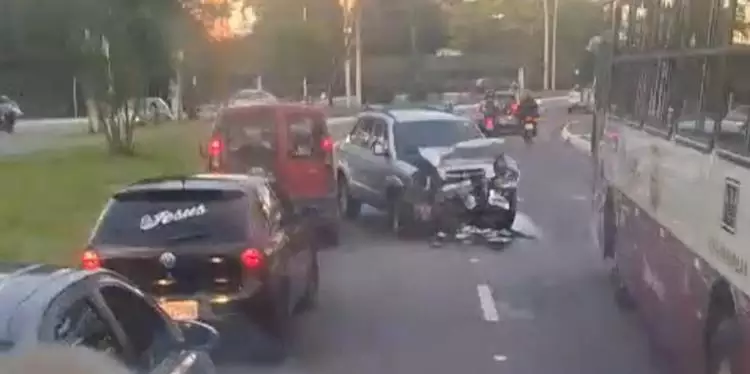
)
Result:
{"points": [[199, 336], [378, 149]]}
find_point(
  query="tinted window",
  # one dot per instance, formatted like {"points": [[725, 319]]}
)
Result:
{"points": [[146, 329], [170, 217], [410, 136], [249, 127], [82, 325], [306, 133], [362, 132]]}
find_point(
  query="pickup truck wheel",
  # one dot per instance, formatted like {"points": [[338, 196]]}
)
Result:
{"points": [[348, 206]]}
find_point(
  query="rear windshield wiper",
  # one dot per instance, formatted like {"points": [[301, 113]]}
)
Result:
{"points": [[188, 236]]}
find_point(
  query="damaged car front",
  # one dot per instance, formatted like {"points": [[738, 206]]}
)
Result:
{"points": [[470, 183]]}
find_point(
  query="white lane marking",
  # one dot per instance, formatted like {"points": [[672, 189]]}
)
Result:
{"points": [[579, 197], [487, 303], [500, 358], [473, 260]]}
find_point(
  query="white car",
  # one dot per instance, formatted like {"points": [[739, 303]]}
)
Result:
{"points": [[251, 96]]}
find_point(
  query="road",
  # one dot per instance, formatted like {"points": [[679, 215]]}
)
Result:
{"points": [[541, 305], [34, 135]]}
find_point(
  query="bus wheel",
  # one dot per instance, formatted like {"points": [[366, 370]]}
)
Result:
{"points": [[623, 298], [723, 333], [723, 342]]}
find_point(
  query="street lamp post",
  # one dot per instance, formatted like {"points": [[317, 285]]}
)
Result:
{"points": [[545, 68], [304, 79], [553, 68], [358, 51]]}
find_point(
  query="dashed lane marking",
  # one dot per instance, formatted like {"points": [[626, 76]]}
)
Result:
{"points": [[487, 303]]}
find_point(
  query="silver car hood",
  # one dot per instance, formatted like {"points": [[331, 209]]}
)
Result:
{"points": [[464, 154]]}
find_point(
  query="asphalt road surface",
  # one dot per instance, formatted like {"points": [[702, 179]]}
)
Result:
{"points": [[541, 305]]}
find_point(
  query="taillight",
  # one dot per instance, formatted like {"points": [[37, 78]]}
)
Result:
{"points": [[488, 123], [327, 144], [90, 260], [215, 147], [514, 108], [252, 258]]}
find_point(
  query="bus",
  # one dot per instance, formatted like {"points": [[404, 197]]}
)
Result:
{"points": [[671, 152]]}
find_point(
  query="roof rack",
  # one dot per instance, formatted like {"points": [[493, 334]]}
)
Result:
{"points": [[446, 108]]}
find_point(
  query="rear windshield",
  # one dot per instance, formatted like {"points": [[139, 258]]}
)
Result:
{"points": [[306, 133], [160, 218], [249, 128]]}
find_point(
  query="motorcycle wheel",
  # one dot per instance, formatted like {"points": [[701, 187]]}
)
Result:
{"points": [[527, 137]]}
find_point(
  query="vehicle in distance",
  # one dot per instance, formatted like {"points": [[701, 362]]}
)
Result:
{"points": [[215, 247], [251, 96], [292, 145], [395, 159], [100, 310]]}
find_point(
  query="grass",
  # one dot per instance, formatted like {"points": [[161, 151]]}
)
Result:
{"points": [[51, 199]]}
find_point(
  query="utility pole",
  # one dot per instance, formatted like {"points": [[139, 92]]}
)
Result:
{"points": [[554, 44], [358, 50], [545, 68], [346, 4], [304, 79]]}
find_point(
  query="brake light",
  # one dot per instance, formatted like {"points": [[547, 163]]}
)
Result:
{"points": [[215, 147], [327, 144], [90, 260], [488, 123], [251, 258]]}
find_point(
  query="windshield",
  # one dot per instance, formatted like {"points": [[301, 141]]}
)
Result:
{"points": [[410, 136], [160, 218]]}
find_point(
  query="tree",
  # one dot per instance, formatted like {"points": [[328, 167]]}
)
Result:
{"points": [[117, 47], [517, 26], [299, 38]]}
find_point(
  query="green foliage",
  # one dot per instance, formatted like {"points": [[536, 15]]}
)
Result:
{"points": [[116, 47], [294, 47]]}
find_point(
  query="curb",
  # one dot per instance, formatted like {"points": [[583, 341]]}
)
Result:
{"points": [[576, 141]]}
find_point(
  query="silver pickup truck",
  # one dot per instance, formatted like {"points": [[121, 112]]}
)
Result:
{"points": [[404, 161]]}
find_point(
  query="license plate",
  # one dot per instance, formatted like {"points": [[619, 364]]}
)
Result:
{"points": [[183, 310], [529, 126]]}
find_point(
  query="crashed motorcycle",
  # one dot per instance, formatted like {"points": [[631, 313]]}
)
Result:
{"points": [[474, 183]]}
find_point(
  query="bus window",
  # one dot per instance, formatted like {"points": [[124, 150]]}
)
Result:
{"points": [[692, 120], [733, 134]]}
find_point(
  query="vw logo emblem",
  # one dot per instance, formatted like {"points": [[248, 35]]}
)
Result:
{"points": [[168, 259]]}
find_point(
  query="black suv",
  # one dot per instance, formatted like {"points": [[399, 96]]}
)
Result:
{"points": [[404, 161], [216, 248]]}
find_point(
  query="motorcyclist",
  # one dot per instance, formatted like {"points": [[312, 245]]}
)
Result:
{"points": [[527, 107], [489, 104]]}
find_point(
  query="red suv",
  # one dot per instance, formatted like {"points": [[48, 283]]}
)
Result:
{"points": [[289, 143]]}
